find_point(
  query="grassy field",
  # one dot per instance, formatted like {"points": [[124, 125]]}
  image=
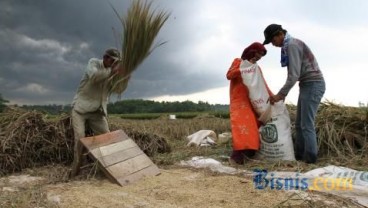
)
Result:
{"points": [[336, 141], [178, 115], [342, 139], [342, 136]]}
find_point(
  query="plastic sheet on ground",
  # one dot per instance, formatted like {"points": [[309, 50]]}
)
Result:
{"points": [[339, 181], [355, 186], [335, 180]]}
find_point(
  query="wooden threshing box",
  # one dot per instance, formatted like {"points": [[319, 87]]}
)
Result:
{"points": [[120, 157]]}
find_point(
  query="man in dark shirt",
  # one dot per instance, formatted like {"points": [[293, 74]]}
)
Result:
{"points": [[302, 66]]}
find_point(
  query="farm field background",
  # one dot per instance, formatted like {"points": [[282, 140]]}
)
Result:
{"points": [[342, 140]]}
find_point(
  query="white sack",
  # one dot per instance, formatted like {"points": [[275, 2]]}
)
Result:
{"points": [[252, 78], [202, 138], [276, 140]]}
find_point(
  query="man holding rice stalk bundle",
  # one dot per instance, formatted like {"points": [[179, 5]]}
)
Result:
{"points": [[111, 75], [90, 101]]}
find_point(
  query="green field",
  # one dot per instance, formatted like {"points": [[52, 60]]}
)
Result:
{"points": [[179, 115]]}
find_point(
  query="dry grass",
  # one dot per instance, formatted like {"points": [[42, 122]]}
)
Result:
{"points": [[342, 135], [342, 131], [28, 139], [26, 197], [151, 144], [177, 129], [198, 188], [175, 132]]}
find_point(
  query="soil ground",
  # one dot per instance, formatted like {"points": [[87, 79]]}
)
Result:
{"points": [[176, 186]]}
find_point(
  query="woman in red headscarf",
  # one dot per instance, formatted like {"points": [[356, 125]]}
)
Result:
{"points": [[244, 123]]}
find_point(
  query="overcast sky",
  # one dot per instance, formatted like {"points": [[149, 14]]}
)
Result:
{"points": [[45, 45]]}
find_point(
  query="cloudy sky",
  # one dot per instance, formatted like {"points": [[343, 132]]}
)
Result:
{"points": [[45, 45]]}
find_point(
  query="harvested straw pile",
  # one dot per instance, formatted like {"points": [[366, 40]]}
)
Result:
{"points": [[27, 140], [149, 143], [342, 131], [140, 28]]}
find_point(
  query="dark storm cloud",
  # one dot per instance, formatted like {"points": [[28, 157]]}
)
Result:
{"points": [[46, 44], [43, 47], [158, 75]]}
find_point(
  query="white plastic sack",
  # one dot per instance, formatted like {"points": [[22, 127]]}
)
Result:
{"points": [[276, 140], [252, 78], [202, 138]]}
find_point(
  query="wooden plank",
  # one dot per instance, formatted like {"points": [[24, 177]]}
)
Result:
{"points": [[110, 177], [148, 171], [120, 156], [112, 148], [129, 166], [103, 139]]}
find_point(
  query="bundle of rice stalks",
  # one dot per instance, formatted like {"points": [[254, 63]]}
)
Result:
{"points": [[342, 131], [140, 28], [27, 140]]}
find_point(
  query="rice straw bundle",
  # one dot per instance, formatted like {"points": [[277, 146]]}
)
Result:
{"points": [[342, 130], [140, 28], [28, 140]]}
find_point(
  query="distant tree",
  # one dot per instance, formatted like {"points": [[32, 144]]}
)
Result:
{"points": [[149, 106], [138, 106], [362, 105], [2, 103], [52, 109]]}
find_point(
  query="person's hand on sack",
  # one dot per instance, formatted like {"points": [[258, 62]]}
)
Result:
{"points": [[276, 98]]}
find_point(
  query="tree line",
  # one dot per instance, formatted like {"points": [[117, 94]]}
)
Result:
{"points": [[139, 106], [2, 103]]}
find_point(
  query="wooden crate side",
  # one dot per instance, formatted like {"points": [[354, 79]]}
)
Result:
{"points": [[120, 156], [112, 148], [104, 139], [129, 166]]}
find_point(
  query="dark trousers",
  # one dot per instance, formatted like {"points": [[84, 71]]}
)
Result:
{"points": [[240, 156]]}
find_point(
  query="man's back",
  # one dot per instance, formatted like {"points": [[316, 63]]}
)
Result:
{"points": [[92, 92]]}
